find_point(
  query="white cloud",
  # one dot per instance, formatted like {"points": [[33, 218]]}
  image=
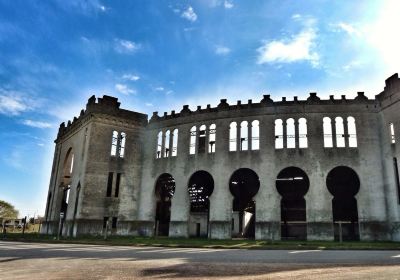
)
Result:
{"points": [[348, 28], [124, 89], [130, 77], [159, 89], [189, 14], [228, 4], [11, 104], [125, 46], [149, 104], [37, 124], [299, 47], [222, 50]]}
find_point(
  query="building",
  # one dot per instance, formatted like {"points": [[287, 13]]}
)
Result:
{"points": [[302, 169]]}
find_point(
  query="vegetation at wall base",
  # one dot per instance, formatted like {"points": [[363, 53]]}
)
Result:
{"points": [[206, 243]]}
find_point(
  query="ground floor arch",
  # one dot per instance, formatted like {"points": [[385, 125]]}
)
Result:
{"points": [[164, 191], [343, 183], [244, 185], [292, 184], [200, 188]]}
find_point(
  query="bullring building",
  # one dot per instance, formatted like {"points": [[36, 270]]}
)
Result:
{"points": [[275, 170]]}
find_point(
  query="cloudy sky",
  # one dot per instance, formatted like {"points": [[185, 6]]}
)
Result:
{"points": [[159, 55]]}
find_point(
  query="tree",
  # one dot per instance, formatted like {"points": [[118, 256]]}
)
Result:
{"points": [[7, 210]]}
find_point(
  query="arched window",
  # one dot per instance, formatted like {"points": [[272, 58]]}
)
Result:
{"points": [[174, 142], [290, 134], [192, 147], [340, 143], [114, 143], [278, 134], [244, 137], [328, 139], [233, 137], [392, 135], [166, 143], [211, 138], [351, 129], [159, 145], [303, 141], [202, 139], [122, 140], [255, 135]]}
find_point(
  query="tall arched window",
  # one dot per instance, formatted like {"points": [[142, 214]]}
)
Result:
{"points": [[159, 145], [122, 140], [244, 137], [192, 147], [278, 134], [114, 143], [166, 143], [174, 142], [290, 134], [328, 139], [233, 137], [211, 138], [303, 140], [392, 135], [340, 143], [255, 135], [201, 148], [351, 129]]}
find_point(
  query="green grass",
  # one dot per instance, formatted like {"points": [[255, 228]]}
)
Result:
{"points": [[206, 243]]}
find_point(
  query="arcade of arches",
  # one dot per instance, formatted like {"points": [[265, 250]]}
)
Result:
{"points": [[292, 183]]}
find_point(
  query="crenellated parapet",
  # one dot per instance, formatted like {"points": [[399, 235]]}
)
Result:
{"points": [[266, 101], [105, 106]]}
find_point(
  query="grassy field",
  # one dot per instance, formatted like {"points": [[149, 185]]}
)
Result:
{"points": [[206, 243]]}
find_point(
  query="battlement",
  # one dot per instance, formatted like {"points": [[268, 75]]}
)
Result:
{"points": [[266, 101], [105, 105]]}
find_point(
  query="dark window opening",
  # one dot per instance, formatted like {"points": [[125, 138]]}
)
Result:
{"points": [[114, 222], [396, 171], [164, 190], [343, 183], [292, 184], [109, 184], [105, 220], [202, 140], [117, 184], [244, 185]]}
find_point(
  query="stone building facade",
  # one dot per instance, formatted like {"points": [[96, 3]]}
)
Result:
{"points": [[301, 169]]}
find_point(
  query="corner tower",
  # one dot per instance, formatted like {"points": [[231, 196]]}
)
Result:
{"points": [[95, 177]]}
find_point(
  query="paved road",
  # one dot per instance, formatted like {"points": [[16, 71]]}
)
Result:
{"points": [[72, 261]]}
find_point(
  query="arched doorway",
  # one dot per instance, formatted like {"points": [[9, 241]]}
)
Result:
{"points": [[343, 183], [65, 188], [200, 187], [164, 191], [292, 184], [244, 185]]}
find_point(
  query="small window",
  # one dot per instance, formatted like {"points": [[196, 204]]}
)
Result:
{"points": [[290, 134], [202, 140], [255, 135], [327, 126], [166, 143], [303, 141], [174, 142], [193, 135], [114, 222], [233, 137], [211, 138], [117, 183], [278, 134], [114, 143], [340, 143], [109, 184], [392, 135], [122, 139], [351, 128], [244, 136], [105, 221], [159, 145]]}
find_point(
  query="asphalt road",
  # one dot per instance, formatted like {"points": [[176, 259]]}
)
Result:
{"points": [[72, 261]]}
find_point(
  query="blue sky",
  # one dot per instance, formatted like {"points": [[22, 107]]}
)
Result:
{"points": [[160, 55]]}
